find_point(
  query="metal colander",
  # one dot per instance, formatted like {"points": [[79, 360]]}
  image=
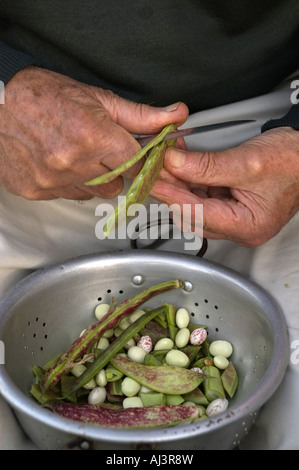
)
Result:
{"points": [[44, 313]]}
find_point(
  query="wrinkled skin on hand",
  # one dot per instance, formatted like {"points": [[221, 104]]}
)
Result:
{"points": [[56, 134], [249, 193]]}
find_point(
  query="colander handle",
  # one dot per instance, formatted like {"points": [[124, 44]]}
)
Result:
{"points": [[160, 241]]}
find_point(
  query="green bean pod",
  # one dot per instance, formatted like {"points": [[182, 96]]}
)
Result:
{"points": [[140, 188], [111, 175]]}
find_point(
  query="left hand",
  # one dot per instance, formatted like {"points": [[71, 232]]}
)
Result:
{"points": [[248, 192]]}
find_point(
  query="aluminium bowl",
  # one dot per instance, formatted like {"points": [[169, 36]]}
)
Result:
{"points": [[46, 311]]}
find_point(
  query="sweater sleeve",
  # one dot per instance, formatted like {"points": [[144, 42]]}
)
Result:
{"points": [[291, 119], [12, 61]]}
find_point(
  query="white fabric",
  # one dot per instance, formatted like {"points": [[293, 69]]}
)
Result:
{"points": [[34, 234]]}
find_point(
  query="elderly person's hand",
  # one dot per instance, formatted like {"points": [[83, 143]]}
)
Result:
{"points": [[56, 134], [248, 192]]}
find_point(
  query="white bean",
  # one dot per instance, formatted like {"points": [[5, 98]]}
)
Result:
{"points": [[97, 395], [103, 343], [182, 318], [132, 402], [216, 406], [129, 344], [221, 347], [198, 336], [144, 389], [182, 337], [130, 387], [101, 379], [78, 370], [108, 333], [221, 361], [117, 331], [124, 323], [174, 357], [135, 315], [101, 310], [164, 343], [136, 354]]}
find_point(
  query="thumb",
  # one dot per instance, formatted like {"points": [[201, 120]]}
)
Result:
{"points": [[140, 118], [208, 168]]}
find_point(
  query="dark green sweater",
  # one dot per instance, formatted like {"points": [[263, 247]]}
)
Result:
{"points": [[203, 52]]}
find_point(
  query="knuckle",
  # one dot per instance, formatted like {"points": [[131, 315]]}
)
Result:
{"points": [[255, 165], [202, 168], [59, 161]]}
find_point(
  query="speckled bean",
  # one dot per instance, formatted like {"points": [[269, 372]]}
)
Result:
{"points": [[216, 406], [145, 342], [198, 336]]}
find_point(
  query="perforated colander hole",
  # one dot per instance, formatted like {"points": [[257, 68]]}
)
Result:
{"points": [[102, 298]]}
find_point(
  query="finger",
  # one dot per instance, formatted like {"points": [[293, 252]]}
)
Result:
{"points": [[139, 117], [225, 219], [210, 168]]}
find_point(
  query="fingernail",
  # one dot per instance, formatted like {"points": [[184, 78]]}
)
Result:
{"points": [[177, 158], [171, 107]]}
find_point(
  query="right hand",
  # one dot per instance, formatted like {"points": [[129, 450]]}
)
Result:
{"points": [[57, 133]]}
